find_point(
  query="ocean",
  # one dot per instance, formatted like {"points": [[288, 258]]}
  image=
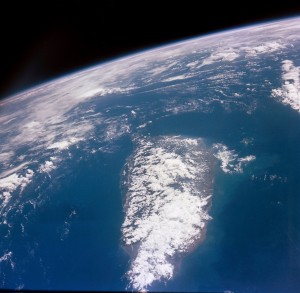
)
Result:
{"points": [[252, 242], [73, 241]]}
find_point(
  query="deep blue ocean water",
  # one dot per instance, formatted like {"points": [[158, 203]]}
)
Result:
{"points": [[252, 243]]}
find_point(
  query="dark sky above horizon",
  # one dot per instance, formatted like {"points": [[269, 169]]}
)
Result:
{"points": [[46, 39]]}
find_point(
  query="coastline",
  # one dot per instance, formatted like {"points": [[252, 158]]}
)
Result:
{"points": [[167, 186], [177, 259]]}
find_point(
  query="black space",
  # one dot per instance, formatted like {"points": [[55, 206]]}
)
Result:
{"points": [[42, 40]]}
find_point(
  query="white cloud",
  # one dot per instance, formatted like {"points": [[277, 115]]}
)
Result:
{"points": [[66, 227], [133, 113], [7, 257], [63, 145], [220, 56], [103, 92], [270, 177], [289, 93], [192, 64], [177, 77], [144, 124], [158, 70], [230, 162], [265, 47], [10, 183], [230, 54], [168, 184], [47, 167]]}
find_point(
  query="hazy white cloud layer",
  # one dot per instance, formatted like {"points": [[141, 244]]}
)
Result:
{"points": [[168, 191]]}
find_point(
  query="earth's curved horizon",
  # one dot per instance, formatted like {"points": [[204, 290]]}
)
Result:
{"points": [[186, 152]]}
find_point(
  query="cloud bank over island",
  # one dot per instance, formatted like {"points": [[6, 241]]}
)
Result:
{"points": [[168, 189]]}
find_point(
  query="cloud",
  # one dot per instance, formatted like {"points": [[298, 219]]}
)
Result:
{"points": [[173, 78], [220, 56], [10, 183], [8, 258], [289, 93], [168, 182], [265, 47], [230, 162], [47, 167], [63, 145]]}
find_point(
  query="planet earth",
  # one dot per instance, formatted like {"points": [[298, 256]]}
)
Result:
{"points": [[174, 169]]}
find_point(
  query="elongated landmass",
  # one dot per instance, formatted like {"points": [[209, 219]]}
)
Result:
{"points": [[167, 185]]}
